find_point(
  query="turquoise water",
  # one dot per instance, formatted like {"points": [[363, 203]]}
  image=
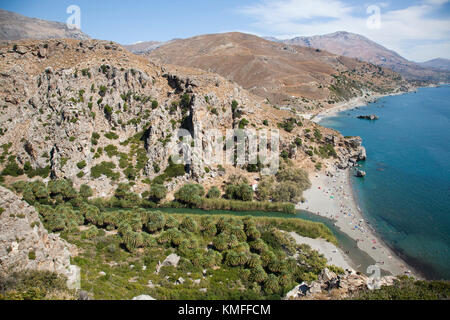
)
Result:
{"points": [[406, 193]]}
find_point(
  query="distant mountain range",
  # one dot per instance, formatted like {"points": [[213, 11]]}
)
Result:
{"points": [[286, 75], [439, 64], [14, 26], [143, 47], [359, 47]]}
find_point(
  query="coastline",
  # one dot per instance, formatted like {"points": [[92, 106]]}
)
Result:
{"points": [[348, 105], [332, 196]]}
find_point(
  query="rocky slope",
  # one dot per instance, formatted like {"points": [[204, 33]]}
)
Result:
{"points": [[286, 75], [438, 64], [94, 113], [359, 47], [25, 244], [330, 286], [143, 47], [14, 26]]}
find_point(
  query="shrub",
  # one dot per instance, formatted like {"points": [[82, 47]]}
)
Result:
{"points": [[86, 191], [190, 193], [12, 168], [188, 224], [213, 193], [243, 192], [108, 110], [243, 123], [157, 192], [156, 221], [82, 164], [111, 136], [105, 168], [111, 150]]}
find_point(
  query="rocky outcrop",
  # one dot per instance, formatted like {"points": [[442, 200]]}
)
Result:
{"points": [[25, 244], [370, 117], [360, 173], [349, 152], [171, 260], [329, 285]]}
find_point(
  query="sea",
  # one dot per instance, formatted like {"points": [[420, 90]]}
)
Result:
{"points": [[405, 195]]}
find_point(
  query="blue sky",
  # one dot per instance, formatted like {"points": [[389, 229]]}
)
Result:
{"points": [[417, 29]]}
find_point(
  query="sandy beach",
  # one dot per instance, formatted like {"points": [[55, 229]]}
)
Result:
{"points": [[333, 254], [348, 105], [332, 197]]}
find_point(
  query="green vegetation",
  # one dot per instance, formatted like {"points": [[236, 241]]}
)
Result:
{"points": [[82, 164], [105, 168], [250, 258], [111, 136], [214, 193], [287, 186], [172, 171], [406, 288], [34, 285], [289, 124]]}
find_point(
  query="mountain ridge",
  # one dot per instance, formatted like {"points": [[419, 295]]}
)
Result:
{"points": [[286, 75], [360, 47], [14, 26]]}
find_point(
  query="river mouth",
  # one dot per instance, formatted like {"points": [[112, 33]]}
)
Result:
{"points": [[358, 259]]}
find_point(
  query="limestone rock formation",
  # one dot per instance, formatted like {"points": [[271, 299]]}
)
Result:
{"points": [[332, 286], [25, 244], [171, 260]]}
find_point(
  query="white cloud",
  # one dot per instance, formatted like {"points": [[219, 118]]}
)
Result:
{"points": [[407, 31]]}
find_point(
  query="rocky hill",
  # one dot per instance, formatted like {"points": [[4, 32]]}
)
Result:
{"points": [[26, 244], [143, 47], [92, 112], [14, 26], [359, 47], [286, 75], [439, 64]]}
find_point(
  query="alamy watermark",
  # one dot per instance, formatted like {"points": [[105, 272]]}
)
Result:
{"points": [[239, 147], [74, 20], [374, 280], [374, 20]]}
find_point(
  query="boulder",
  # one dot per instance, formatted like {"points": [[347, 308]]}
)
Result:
{"points": [[360, 173], [171, 260], [143, 297]]}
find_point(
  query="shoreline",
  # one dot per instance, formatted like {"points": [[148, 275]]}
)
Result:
{"points": [[351, 104], [332, 197]]}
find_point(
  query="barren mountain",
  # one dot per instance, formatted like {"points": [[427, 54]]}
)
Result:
{"points": [[92, 112], [14, 26], [285, 75], [439, 64], [143, 47], [359, 47]]}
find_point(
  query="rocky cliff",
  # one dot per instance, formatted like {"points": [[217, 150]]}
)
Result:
{"points": [[25, 244], [94, 113]]}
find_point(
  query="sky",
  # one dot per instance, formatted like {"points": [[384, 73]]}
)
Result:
{"points": [[419, 30]]}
